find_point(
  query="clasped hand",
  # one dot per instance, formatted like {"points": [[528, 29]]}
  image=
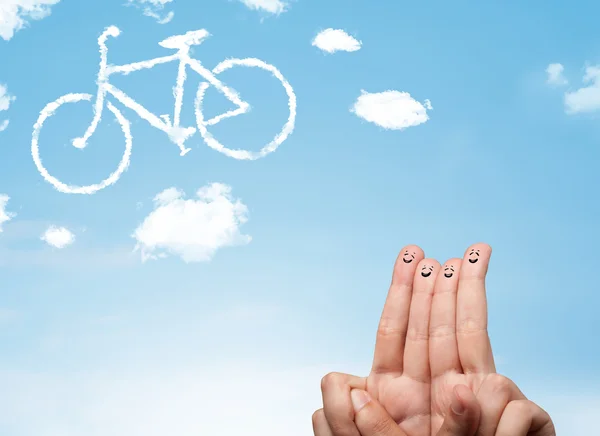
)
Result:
{"points": [[433, 370]]}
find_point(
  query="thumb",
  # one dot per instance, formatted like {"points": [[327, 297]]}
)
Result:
{"points": [[462, 418], [371, 418]]}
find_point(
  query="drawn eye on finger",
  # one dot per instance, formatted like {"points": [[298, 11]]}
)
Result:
{"points": [[408, 257], [473, 255], [426, 270], [448, 271]]}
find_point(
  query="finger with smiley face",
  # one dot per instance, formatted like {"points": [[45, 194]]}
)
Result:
{"points": [[409, 253], [391, 334], [416, 353], [449, 270], [426, 270], [473, 256], [443, 347], [471, 311]]}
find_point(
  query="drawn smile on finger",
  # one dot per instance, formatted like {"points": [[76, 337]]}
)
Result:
{"points": [[408, 258], [473, 256], [448, 271], [426, 271]]}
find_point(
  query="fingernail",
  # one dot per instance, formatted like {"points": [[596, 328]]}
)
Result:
{"points": [[457, 405], [360, 399]]}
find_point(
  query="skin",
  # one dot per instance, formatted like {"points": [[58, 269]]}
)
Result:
{"points": [[431, 343], [426, 271]]}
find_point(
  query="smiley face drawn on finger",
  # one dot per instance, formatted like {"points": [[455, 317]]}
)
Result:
{"points": [[426, 271], [448, 271], [408, 257], [473, 255]]}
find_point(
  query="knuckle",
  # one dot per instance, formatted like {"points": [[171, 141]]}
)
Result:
{"points": [[388, 327], [521, 407], [471, 325], [331, 380], [338, 427], [500, 383], [317, 417], [381, 426], [441, 330], [417, 335]]}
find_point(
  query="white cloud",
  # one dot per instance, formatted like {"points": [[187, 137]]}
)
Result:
{"points": [[332, 40], [585, 99], [192, 229], [393, 110], [4, 214], [271, 6], [153, 8], [14, 14], [58, 237], [5, 100], [555, 75]]}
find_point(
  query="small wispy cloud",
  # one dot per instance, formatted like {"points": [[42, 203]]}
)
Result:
{"points": [[392, 110], [5, 99], [271, 6], [555, 75], [153, 9], [332, 40], [16, 14], [585, 99], [4, 214], [58, 237], [192, 229]]}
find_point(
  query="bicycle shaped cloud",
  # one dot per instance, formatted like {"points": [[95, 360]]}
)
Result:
{"points": [[177, 133]]}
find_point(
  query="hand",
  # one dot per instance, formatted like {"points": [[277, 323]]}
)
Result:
{"points": [[520, 418], [460, 353], [399, 378], [441, 323]]}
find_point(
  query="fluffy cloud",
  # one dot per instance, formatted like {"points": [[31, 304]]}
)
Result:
{"points": [[192, 229], [58, 237], [15, 14], [393, 110], [4, 214], [152, 8], [585, 99], [332, 40], [271, 6], [555, 75], [5, 100]]}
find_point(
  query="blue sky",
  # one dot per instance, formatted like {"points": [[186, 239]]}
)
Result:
{"points": [[95, 341]]}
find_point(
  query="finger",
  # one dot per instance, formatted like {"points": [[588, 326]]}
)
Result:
{"points": [[495, 393], [391, 333], [443, 347], [462, 418], [474, 347], [416, 350], [337, 405], [371, 418], [320, 425], [525, 418]]}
